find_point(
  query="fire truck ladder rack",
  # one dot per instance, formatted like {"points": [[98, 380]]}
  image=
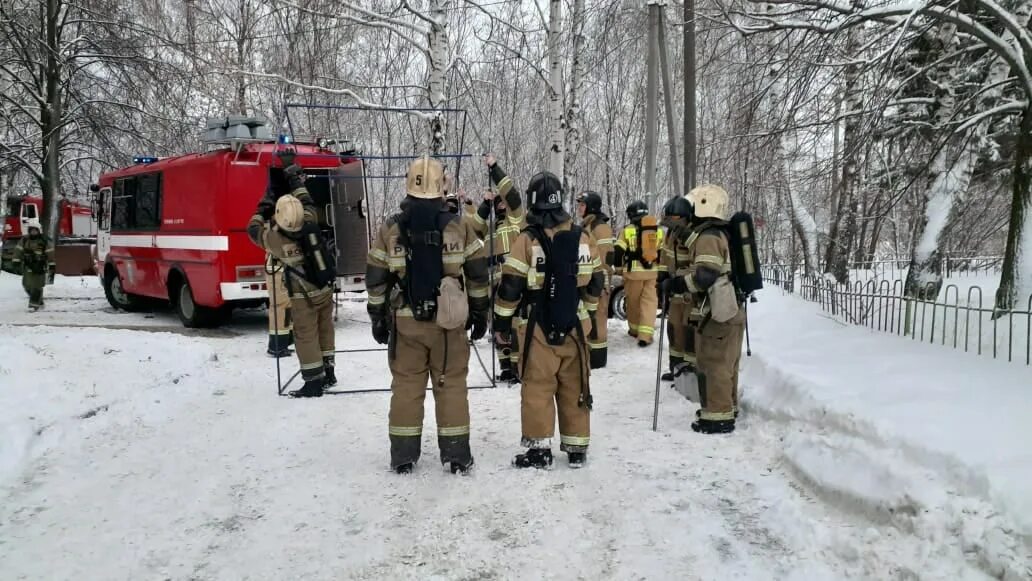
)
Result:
{"points": [[344, 116]]}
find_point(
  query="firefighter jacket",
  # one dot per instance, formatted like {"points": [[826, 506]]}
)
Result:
{"points": [[627, 258], [598, 226], [507, 228], [463, 255], [709, 258], [523, 276], [285, 249], [34, 255], [675, 257]]}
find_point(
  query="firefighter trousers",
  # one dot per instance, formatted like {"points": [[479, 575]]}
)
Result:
{"points": [[314, 334], [681, 334], [33, 284], [554, 377], [598, 337], [422, 350], [281, 334], [641, 300], [719, 351]]}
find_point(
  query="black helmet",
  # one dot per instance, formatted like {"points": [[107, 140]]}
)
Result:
{"points": [[592, 202], [637, 210], [545, 192], [679, 207]]}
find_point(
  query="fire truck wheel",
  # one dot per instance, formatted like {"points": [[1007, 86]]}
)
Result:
{"points": [[116, 295], [192, 314]]}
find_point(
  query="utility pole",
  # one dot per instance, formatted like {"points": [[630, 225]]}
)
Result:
{"points": [[651, 102], [690, 168], [668, 101]]}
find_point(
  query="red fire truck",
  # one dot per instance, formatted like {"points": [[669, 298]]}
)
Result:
{"points": [[75, 227], [174, 229]]}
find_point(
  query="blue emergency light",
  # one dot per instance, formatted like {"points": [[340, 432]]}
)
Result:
{"points": [[144, 159], [283, 138]]}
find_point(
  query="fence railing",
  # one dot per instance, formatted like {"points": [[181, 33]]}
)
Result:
{"points": [[960, 317]]}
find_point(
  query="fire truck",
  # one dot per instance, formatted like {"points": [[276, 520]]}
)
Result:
{"points": [[174, 229], [75, 228]]}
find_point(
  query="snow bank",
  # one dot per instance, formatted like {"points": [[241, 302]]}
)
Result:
{"points": [[928, 438]]}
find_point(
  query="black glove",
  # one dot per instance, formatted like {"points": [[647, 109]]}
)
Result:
{"points": [[678, 285], [478, 322], [286, 157], [254, 231], [381, 331], [267, 206], [295, 176]]}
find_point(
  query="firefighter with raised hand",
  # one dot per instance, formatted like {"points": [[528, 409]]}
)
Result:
{"points": [[596, 223], [427, 282], [554, 276], [637, 260], [281, 333], [716, 310], [295, 245], [677, 214], [510, 219], [34, 255]]}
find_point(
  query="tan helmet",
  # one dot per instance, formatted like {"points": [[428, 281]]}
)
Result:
{"points": [[425, 179], [710, 201], [290, 214], [33, 223]]}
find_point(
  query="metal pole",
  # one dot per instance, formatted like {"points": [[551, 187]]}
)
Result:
{"points": [[659, 362], [690, 160], [651, 103], [668, 98], [275, 328], [490, 277]]}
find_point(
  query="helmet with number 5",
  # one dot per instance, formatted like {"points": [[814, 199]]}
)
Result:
{"points": [[425, 179]]}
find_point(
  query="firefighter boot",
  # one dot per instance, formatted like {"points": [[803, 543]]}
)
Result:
{"points": [[331, 377], [311, 388], [667, 376], [534, 458], [405, 451], [508, 374], [577, 459], [713, 426], [455, 453]]}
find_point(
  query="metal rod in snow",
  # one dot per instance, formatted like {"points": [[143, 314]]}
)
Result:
{"points": [[659, 362], [668, 101], [651, 101], [691, 171]]}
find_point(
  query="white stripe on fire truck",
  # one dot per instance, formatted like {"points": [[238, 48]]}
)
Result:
{"points": [[171, 242]]}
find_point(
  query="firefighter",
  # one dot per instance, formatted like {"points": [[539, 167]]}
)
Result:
{"points": [[34, 255], [279, 233], [281, 333], [418, 259], [596, 223], [677, 214], [510, 218], [718, 344], [637, 260], [554, 276]]}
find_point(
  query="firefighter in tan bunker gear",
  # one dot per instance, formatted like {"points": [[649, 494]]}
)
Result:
{"points": [[677, 215], [418, 265], [510, 218], [553, 276], [637, 260], [596, 223], [311, 305], [718, 343]]}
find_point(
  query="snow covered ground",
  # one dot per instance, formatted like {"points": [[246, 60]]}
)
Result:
{"points": [[130, 449]]}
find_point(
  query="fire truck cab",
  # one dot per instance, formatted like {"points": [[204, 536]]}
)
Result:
{"points": [[174, 229]]}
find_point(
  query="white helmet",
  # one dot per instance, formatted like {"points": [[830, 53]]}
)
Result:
{"points": [[33, 223], [290, 214], [710, 201]]}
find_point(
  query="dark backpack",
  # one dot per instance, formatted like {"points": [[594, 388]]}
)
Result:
{"points": [[421, 233], [745, 260], [320, 266], [556, 311]]}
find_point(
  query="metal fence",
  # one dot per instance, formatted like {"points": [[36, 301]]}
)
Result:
{"points": [[962, 316]]}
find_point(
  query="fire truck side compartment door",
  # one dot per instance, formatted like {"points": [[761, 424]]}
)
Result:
{"points": [[351, 236]]}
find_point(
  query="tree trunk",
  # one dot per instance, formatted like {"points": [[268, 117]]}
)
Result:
{"points": [[437, 91], [573, 112], [555, 90], [50, 122], [843, 223], [1016, 278]]}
